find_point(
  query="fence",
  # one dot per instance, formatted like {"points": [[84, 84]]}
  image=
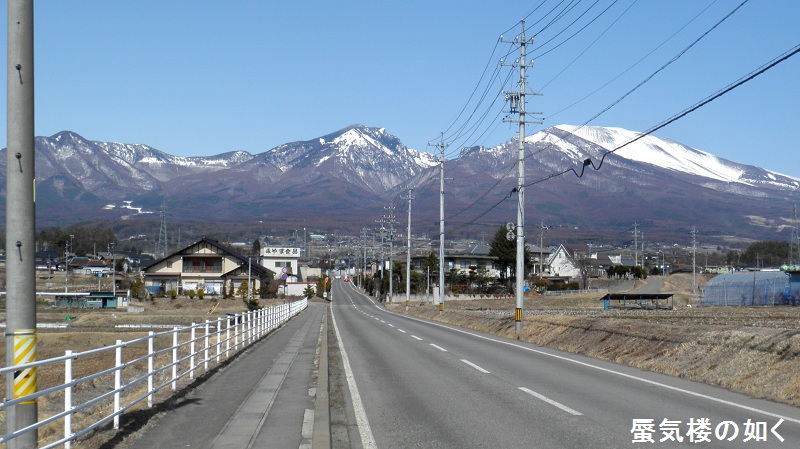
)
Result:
{"points": [[574, 292], [159, 359]]}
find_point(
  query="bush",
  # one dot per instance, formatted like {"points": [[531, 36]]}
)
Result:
{"points": [[200, 293], [173, 294], [191, 294]]}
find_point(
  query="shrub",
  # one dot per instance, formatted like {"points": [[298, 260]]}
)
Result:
{"points": [[191, 294], [200, 293], [173, 294]]}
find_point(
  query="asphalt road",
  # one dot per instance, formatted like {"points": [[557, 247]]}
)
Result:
{"points": [[417, 384]]}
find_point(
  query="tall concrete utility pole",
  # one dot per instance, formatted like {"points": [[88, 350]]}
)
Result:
{"points": [[517, 106], [408, 250], [20, 224], [441, 147]]}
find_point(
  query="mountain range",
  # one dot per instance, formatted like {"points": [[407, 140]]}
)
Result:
{"points": [[589, 180]]}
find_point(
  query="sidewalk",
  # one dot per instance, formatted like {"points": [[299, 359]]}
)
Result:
{"points": [[261, 400]]}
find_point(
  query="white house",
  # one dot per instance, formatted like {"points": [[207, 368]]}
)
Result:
{"points": [[283, 261]]}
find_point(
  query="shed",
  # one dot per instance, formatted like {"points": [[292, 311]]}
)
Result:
{"points": [[638, 301], [101, 300]]}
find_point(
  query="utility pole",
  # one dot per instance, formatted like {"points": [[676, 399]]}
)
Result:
{"points": [[161, 251], [390, 219], [694, 260], [364, 273], [113, 272], [20, 225], [635, 244], [794, 244], [441, 147], [542, 228], [517, 106], [408, 250]]}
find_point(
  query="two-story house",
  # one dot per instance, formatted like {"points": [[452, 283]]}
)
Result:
{"points": [[205, 265]]}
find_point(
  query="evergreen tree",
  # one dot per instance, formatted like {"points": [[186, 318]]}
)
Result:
{"points": [[505, 250]]}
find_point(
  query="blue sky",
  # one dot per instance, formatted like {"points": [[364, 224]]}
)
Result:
{"points": [[201, 78]]}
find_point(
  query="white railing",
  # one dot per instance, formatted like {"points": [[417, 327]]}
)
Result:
{"points": [[160, 360]]}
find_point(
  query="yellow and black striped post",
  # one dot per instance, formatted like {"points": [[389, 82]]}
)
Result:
{"points": [[518, 314], [25, 352]]}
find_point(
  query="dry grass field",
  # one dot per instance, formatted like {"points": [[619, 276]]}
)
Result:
{"points": [[752, 350]]}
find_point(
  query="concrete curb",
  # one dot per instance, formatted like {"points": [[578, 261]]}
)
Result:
{"points": [[321, 436]]}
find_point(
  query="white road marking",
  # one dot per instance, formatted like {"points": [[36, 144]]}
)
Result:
{"points": [[367, 440], [551, 402], [391, 325], [618, 373], [415, 337], [401, 330], [439, 348], [475, 366]]}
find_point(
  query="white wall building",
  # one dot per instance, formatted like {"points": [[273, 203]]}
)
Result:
{"points": [[282, 261]]}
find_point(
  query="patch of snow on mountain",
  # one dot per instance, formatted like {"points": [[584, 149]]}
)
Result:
{"points": [[324, 158], [655, 151]]}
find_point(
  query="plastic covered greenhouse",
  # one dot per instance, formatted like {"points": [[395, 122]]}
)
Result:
{"points": [[757, 288]]}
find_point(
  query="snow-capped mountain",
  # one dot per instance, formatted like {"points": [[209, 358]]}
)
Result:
{"points": [[351, 174], [661, 183]]}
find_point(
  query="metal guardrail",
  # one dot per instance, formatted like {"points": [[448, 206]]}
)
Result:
{"points": [[185, 351]]}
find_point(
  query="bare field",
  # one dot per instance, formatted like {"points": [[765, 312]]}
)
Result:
{"points": [[752, 350]]}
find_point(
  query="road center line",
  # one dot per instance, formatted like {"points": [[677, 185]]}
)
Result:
{"points": [[475, 366], [415, 337], [401, 330], [439, 347], [391, 325], [551, 402]]}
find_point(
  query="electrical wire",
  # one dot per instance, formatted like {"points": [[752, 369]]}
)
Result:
{"points": [[674, 58], [741, 81]]}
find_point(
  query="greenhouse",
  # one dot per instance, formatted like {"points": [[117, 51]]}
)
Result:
{"points": [[757, 288]]}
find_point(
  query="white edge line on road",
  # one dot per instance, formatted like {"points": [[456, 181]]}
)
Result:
{"points": [[475, 366], [367, 440], [599, 368], [551, 402], [439, 347]]}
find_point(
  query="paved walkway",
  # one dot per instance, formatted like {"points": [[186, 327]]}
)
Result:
{"points": [[264, 399]]}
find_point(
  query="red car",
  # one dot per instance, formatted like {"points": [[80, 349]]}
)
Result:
{"points": [[346, 279]]}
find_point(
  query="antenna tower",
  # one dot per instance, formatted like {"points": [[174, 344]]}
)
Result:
{"points": [[161, 249]]}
